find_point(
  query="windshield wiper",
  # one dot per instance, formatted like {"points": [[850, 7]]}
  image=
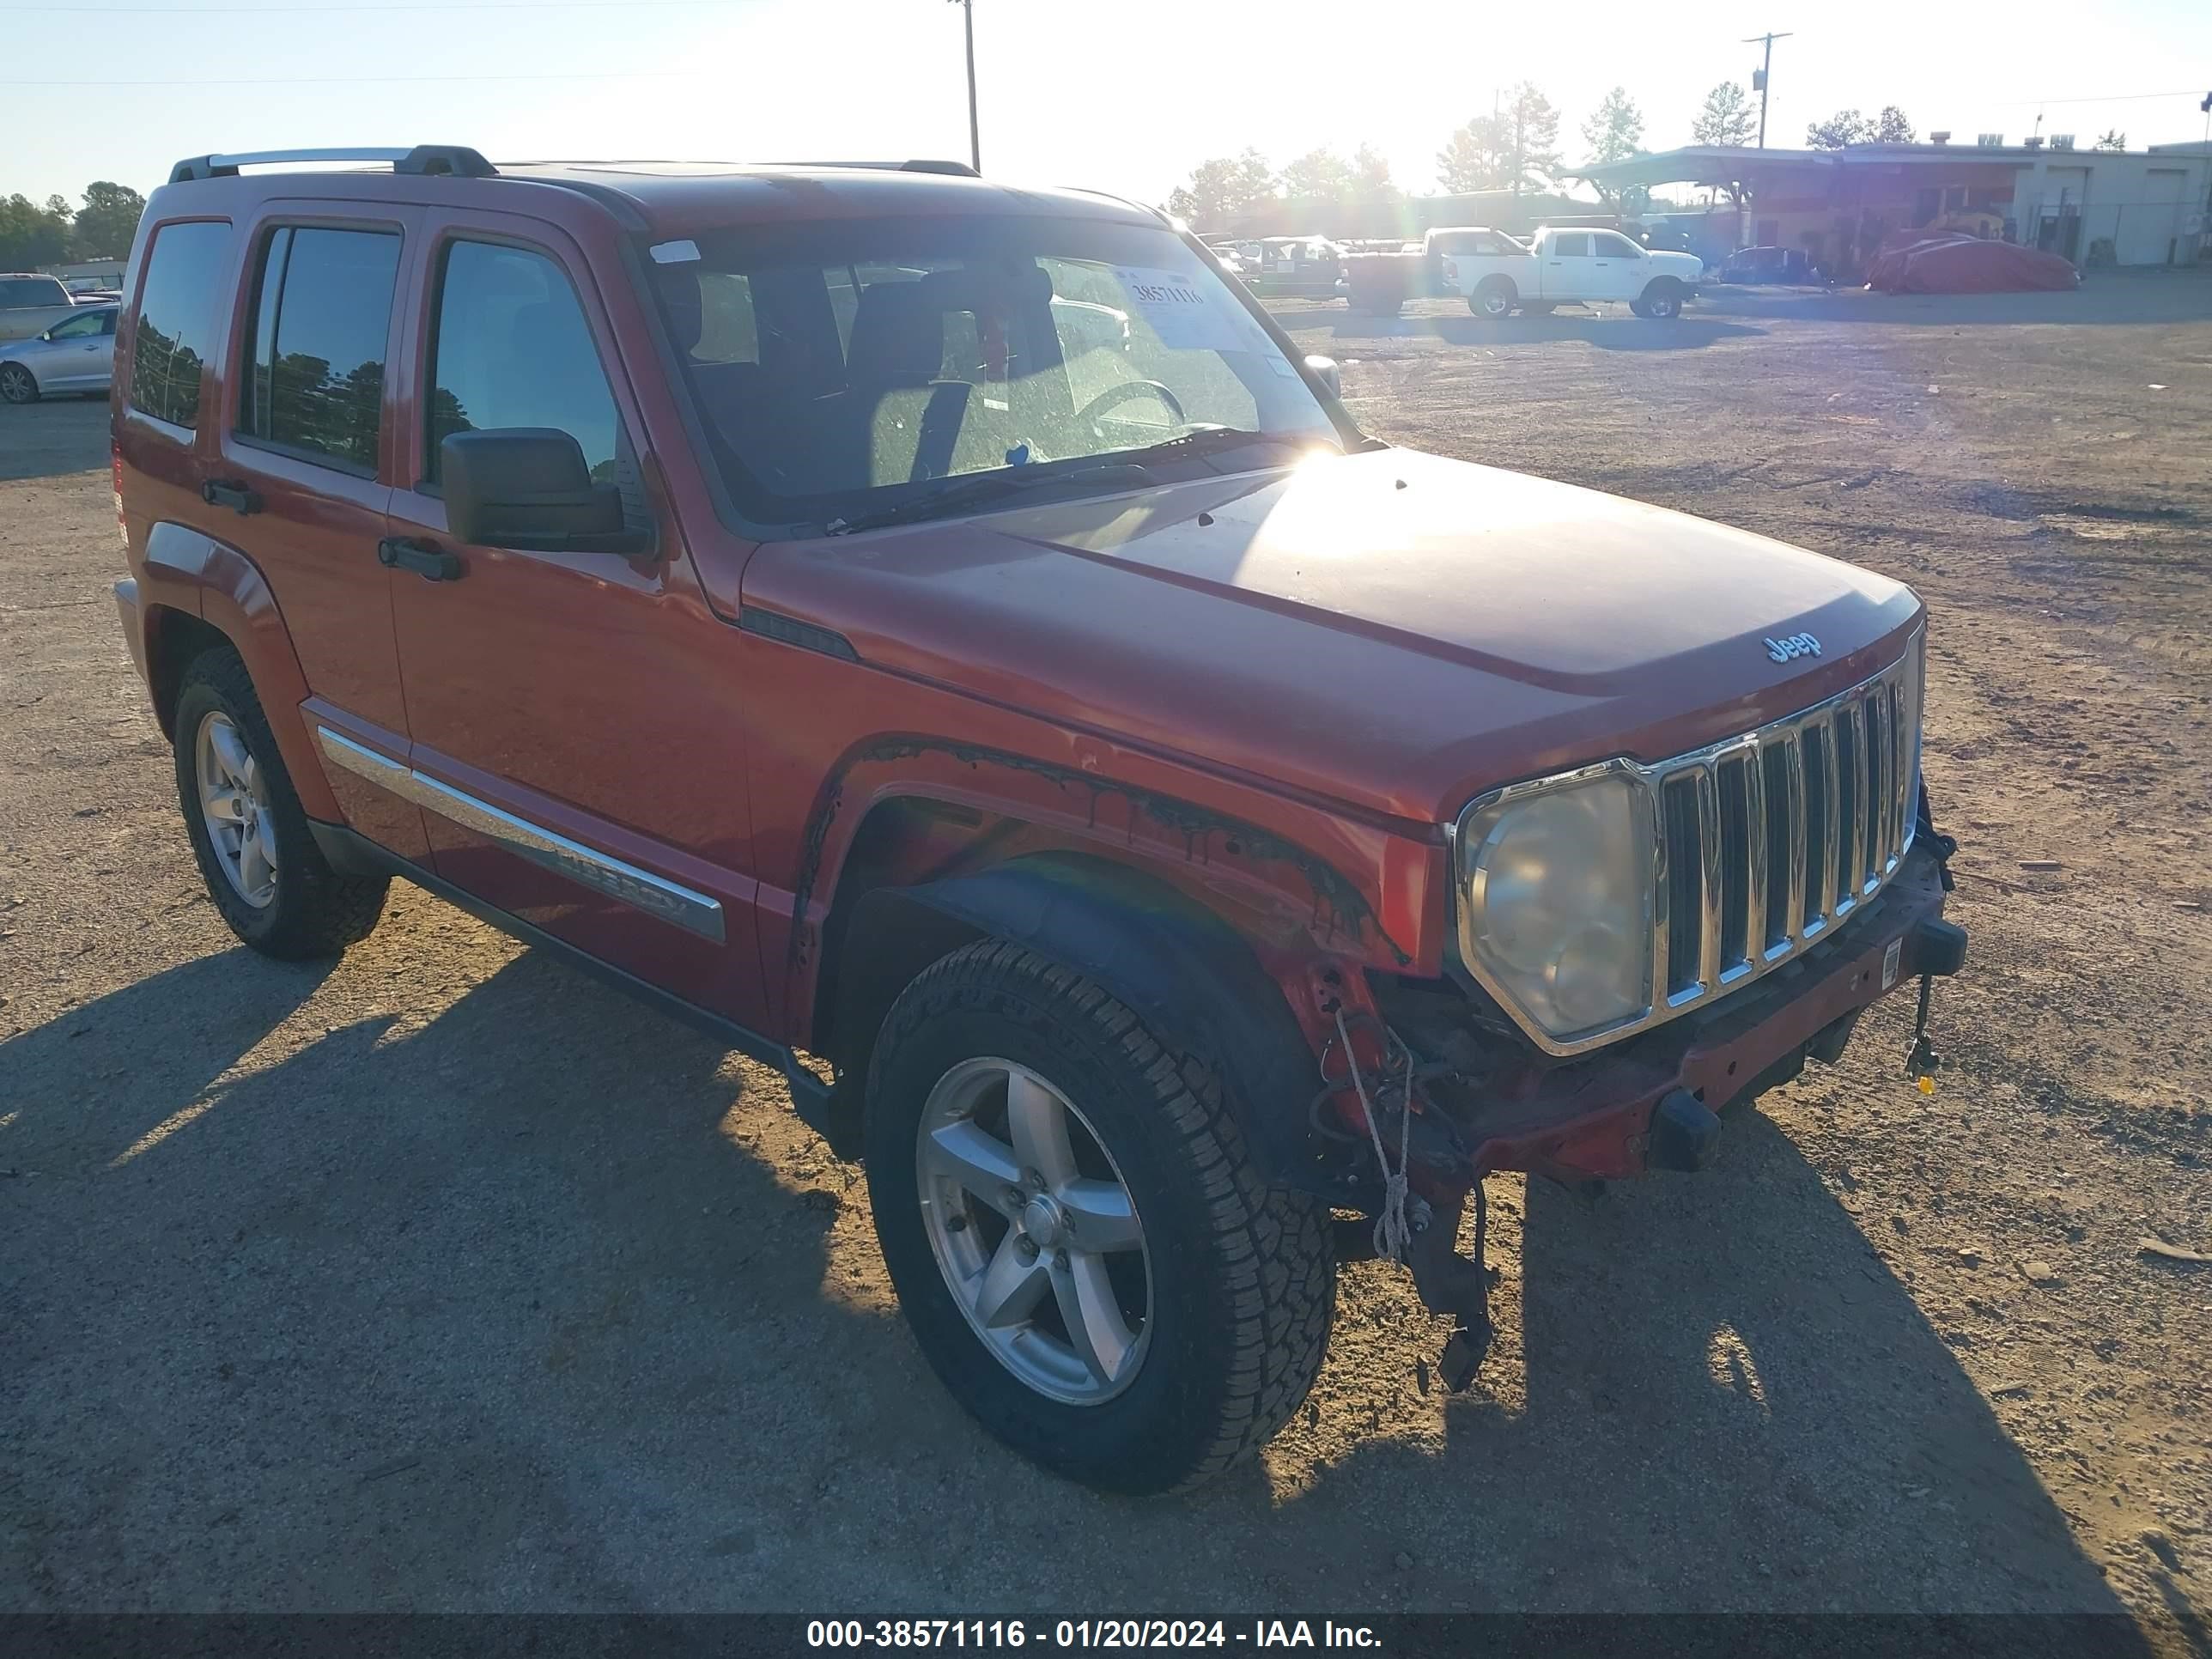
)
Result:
{"points": [[1214, 439], [985, 487]]}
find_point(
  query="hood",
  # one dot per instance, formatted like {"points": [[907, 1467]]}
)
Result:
{"points": [[1391, 630]]}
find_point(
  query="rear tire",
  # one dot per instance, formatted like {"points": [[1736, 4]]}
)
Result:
{"points": [[1494, 297], [1220, 1307], [269, 880], [17, 384]]}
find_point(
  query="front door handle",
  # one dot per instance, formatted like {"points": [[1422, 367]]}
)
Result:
{"points": [[431, 563], [231, 493]]}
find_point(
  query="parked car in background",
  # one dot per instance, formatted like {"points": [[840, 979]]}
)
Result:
{"points": [[30, 303], [1140, 814], [1767, 264], [1299, 264], [1572, 267], [75, 355]]}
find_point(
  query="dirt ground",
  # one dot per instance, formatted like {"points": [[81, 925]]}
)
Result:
{"points": [[443, 1278]]}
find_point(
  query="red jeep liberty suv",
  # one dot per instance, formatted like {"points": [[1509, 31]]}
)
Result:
{"points": [[944, 638]]}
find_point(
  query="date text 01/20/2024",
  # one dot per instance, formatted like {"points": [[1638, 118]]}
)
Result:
{"points": [[1086, 1633]]}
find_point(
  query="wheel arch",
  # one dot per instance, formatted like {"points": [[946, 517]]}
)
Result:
{"points": [[198, 592], [1195, 979]]}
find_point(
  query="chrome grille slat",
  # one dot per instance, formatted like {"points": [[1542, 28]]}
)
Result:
{"points": [[1764, 843], [1755, 875], [1709, 862]]}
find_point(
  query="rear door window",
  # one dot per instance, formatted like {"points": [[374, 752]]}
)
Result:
{"points": [[513, 349], [180, 314], [1573, 245], [322, 318]]}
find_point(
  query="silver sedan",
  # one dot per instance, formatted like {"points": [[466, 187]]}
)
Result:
{"points": [[75, 355]]}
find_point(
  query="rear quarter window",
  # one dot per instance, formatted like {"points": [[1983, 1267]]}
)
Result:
{"points": [[180, 318]]}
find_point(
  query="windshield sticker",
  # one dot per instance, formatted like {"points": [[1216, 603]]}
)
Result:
{"points": [[684, 253], [1186, 317]]}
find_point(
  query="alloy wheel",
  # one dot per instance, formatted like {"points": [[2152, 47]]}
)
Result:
{"points": [[234, 806], [1035, 1230], [17, 385]]}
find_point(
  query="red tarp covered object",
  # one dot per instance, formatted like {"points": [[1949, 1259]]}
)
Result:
{"points": [[1966, 264]]}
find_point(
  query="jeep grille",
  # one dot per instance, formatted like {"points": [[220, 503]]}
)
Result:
{"points": [[1769, 841]]}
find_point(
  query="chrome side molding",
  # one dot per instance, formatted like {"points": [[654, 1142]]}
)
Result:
{"points": [[656, 895]]}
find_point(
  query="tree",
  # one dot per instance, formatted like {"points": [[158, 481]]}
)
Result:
{"points": [[1227, 187], [107, 221], [1845, 126], [1477, 157], [1615, 130], [31, 235], [1726, 120], [2114, 139], [1534, 156], [1371, 176], [1319, 175], [1890, 127]]}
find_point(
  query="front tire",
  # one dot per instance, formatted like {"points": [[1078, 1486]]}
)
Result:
{"points": [[269, 880], [17, 384], [1085, 1254], [1662, 298]]}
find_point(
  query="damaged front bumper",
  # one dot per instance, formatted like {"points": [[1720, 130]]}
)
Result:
{"points": [[1652, 1103]]}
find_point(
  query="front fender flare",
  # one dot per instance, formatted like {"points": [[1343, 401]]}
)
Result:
{"points": [[1193, 979]]}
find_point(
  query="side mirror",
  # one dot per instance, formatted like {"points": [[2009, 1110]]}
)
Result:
{"points": [[527, 487], [1325, 370]]}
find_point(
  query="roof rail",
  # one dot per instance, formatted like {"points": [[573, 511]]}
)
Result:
{"points": [[957, 169], [458, 159]]}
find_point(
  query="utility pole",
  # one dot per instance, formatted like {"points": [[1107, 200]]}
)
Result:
{"points": [[974, 131], [1758, 80]]}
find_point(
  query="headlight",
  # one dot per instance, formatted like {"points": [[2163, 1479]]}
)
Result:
{"points": [[1557, 885]]}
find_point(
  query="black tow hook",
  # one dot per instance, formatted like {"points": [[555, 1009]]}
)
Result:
{"points": [[1939, 950], [1449, 1282], [1686, 1134]]}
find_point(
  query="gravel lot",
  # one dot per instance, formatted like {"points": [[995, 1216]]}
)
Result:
{"points": [[442, 1278]]}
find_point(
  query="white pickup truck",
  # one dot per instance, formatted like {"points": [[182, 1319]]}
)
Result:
{"points": [[1559, 267]]}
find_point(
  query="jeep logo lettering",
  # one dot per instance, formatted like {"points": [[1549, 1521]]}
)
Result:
{"points": [[1798, 645]]}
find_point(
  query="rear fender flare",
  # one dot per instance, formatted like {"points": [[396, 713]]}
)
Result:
{"points": [[1196, 981], [187, 573]]}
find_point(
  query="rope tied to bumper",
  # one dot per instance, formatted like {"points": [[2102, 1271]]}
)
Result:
{"points": [[1392, 1230]]}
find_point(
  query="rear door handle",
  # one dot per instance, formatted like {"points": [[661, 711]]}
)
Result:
{"points": [[431, 563], [231, 493]]}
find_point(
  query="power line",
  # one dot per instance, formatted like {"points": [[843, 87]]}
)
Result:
{"points": [[2108, 98], [366, 80], [78, 12]]}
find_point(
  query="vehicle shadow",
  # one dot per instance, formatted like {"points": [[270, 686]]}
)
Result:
{"points": [[1729, 1404], [397, 1315], [536, 1302]]}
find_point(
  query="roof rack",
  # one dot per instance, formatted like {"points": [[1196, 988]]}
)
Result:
{"points": [[456, 159], [921, 164]]}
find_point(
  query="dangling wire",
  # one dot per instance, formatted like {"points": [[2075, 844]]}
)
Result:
{"points": [[1392, 1233]]}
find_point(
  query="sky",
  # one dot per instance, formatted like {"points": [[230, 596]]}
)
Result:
{"points": [[1124, 97]]}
